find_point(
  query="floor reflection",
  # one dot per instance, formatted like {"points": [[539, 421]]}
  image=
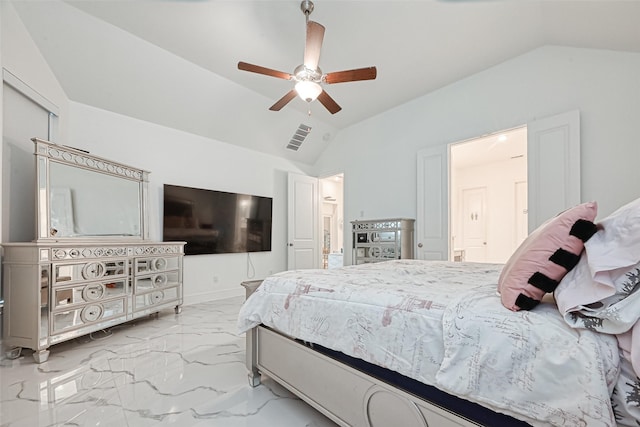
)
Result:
{"points": [[166, 369]]}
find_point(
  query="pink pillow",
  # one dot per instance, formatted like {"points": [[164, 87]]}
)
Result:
{"points": [[545, 257]]}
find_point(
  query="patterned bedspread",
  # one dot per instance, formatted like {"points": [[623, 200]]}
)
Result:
{"points": [[442, 323]]}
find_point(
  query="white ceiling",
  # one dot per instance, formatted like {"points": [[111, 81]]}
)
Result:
{"points": [[174, 62], [497, 147]]}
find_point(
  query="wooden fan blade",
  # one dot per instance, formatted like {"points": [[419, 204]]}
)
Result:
{"points": [[244, 66], [369, 73], [283, 101], [328, 102], [315, 34]]}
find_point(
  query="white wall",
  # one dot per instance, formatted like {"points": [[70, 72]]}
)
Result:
{"points": [[2, 13], [180, 158], [378, 155], [21, 57], [1, 182], [171, 156], [22, 61]]}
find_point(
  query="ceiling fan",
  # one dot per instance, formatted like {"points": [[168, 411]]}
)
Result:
{"points": [[308, 76]]}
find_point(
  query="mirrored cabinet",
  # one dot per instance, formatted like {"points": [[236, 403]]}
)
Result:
{"points": [[92, 265], [382, 240]]}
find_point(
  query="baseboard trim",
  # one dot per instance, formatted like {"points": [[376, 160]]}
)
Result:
{"points": [[213, 295]]}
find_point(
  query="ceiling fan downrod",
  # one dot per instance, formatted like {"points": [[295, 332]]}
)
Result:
{"points": [[307, 7]]}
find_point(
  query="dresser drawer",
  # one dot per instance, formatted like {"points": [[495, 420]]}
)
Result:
{"points": [[158, 280], [86, 293], [63, 274], [155, 298], [62, 321], [155, 264]]}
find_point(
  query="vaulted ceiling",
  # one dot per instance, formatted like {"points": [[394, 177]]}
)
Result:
{"points": [[174, 63]]}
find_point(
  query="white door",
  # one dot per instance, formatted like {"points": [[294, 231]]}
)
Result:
{"points": [[474, 224], [432, 220], [303, 223], [553, 153]]}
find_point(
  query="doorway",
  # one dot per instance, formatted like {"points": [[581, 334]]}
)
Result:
{"points": [[488, 200], [552, 140], [332, 220], [315, 229]]}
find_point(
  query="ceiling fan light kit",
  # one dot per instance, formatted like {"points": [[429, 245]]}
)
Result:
{"points": [[308, 76], [308, 90]]}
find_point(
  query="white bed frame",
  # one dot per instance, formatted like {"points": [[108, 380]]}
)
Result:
{"points": [[345, 395]]}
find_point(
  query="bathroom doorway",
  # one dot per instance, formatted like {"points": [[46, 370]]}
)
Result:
{"points": [[332, 220], [488, 202]]}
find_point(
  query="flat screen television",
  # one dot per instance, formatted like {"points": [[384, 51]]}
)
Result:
{"points": [[216, 222]]}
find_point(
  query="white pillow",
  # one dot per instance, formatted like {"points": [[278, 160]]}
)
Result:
{"points": [[596, 287], [612, 309], [616, 244]]}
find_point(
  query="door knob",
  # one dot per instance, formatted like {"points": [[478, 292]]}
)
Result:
{"points": [[419, 245]]}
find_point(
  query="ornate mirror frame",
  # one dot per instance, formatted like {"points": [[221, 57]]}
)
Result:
{"points": [[51, 159]]}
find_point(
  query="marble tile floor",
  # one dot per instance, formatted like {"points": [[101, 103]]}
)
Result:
{"points": [[163, 370]]}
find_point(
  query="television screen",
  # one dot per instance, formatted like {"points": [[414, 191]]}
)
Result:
{"points": [[216, 222]]}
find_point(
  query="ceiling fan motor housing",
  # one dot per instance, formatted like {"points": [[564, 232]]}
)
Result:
{"points": [[303, 73]]}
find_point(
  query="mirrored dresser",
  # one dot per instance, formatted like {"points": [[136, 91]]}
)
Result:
{"points": [[382, 240], [92, 265]]}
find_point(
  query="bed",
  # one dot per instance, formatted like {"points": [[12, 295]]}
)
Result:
{"points": [[433, 343]]}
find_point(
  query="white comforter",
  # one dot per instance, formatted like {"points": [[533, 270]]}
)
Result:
{"points": [[442, 323]]}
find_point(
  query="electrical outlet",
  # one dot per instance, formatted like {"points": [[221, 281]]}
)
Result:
{"points": [[215, 279]]}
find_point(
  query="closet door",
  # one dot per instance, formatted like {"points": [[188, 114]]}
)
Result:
{"points": [[432, 220], [23, 119], [553, 156]]}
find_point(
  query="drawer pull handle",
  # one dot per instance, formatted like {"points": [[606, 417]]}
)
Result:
{"points": [[93, 270], [160, 280], [156, 297], [93, 292], [91, 313], [374, 252], [159, 264]]}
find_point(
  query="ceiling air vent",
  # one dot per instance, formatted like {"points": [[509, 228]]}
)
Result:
{"points": [[298, 137]]}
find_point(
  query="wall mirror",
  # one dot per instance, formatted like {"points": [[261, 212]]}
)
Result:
{"points": [[84, 196]]}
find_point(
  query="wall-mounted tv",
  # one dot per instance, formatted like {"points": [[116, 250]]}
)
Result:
{"points": [[216, 222]]}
